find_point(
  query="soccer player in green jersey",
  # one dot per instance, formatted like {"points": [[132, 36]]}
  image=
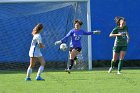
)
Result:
{"points": [[120, 44]]}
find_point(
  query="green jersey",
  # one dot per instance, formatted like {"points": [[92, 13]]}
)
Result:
{"points": [[120, 40]]}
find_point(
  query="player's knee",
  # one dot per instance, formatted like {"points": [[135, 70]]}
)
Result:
{"points": [[114, 60], [71, 57], [121, 59], [43, 64], [31, 66]]}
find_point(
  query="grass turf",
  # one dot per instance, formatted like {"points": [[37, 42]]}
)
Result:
{"points": [[97, 81]]}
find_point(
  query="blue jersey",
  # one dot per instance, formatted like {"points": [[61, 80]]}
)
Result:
{"points": [[76, 36]]}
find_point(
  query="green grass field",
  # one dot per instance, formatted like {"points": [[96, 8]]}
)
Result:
{"points": [[97, 81]]}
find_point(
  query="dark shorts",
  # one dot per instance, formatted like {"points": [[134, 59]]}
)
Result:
{"points": [[117, 49], [76, 48]]}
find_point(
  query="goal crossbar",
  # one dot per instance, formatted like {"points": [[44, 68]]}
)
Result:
{"points": [[33, 1]]}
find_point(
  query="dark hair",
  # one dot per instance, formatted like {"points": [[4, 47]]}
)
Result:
{"points": [[78, 21], [37, 28], [117, 19]]}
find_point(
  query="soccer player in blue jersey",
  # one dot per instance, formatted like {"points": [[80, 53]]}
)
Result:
{"points": [[75, 43], [35, 53]]}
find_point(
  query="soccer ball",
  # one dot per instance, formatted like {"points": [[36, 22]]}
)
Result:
{"points": [[63, 46]]}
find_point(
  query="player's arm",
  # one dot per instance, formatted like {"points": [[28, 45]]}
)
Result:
{"points": [[92, 32], [128, 38], [115, 33], [64, 39], [127, 35], [39, 41]]}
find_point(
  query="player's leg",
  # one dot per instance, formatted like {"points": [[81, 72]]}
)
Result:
{"points": [[41, 68], [120, 64], [75, 59], [116, 51], [114, 59], [122, 54], [72, 55], [29, 70]]}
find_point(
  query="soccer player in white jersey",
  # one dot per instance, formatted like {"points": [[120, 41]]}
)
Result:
{"points": [[35, 53]]}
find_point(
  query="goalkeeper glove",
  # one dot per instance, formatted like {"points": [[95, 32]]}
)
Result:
{"points": [[97, 32], [58, 42]]}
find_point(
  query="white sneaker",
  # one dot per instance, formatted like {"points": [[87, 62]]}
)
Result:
{"points": [[110, 69], [118, 72]]}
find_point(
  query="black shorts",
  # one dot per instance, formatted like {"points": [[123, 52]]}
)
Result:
{"points": [[76, 48]]}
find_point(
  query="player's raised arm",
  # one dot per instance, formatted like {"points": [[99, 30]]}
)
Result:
{"points": [[92, 32], [64, 39]]}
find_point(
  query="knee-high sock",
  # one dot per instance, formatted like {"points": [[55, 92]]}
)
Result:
{"points": [[71, 63], [29, 71], [112, 64], [40, 70], [120, 64]]}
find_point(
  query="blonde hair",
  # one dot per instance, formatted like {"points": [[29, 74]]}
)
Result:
{"points": [[37, 29]]}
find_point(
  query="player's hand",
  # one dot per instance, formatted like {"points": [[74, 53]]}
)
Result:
{"points": [[58, 42], [128, 40], [121, 34], [41, 45], [97, 32]]}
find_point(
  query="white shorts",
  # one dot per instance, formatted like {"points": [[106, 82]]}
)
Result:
{"points": [[35, 54]]}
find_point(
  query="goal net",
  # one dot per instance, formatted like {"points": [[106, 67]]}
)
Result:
{"points": [[18, 18]]}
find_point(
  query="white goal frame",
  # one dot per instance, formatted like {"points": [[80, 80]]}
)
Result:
{"points": [[88, 19]]}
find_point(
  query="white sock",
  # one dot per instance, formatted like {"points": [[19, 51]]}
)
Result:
{"points": [[40, 70], [29, 71]]}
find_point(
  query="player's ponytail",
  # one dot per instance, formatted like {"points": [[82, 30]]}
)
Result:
{"points": [[37, 29]]}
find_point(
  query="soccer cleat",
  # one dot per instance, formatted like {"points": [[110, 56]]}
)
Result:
{"points": [[27, 79], [67, 70], [118, 72], [38, 78], [110, 69]]}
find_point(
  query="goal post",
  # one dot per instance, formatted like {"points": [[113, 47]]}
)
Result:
{"points": [[66, 3]]}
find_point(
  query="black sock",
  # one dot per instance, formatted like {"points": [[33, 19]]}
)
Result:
{"points": [[71, 63], [75, 58]]}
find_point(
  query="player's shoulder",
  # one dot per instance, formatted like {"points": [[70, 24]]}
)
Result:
{"points": [[37, 36], [125, 27], [116, 28], [72, 30]]}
